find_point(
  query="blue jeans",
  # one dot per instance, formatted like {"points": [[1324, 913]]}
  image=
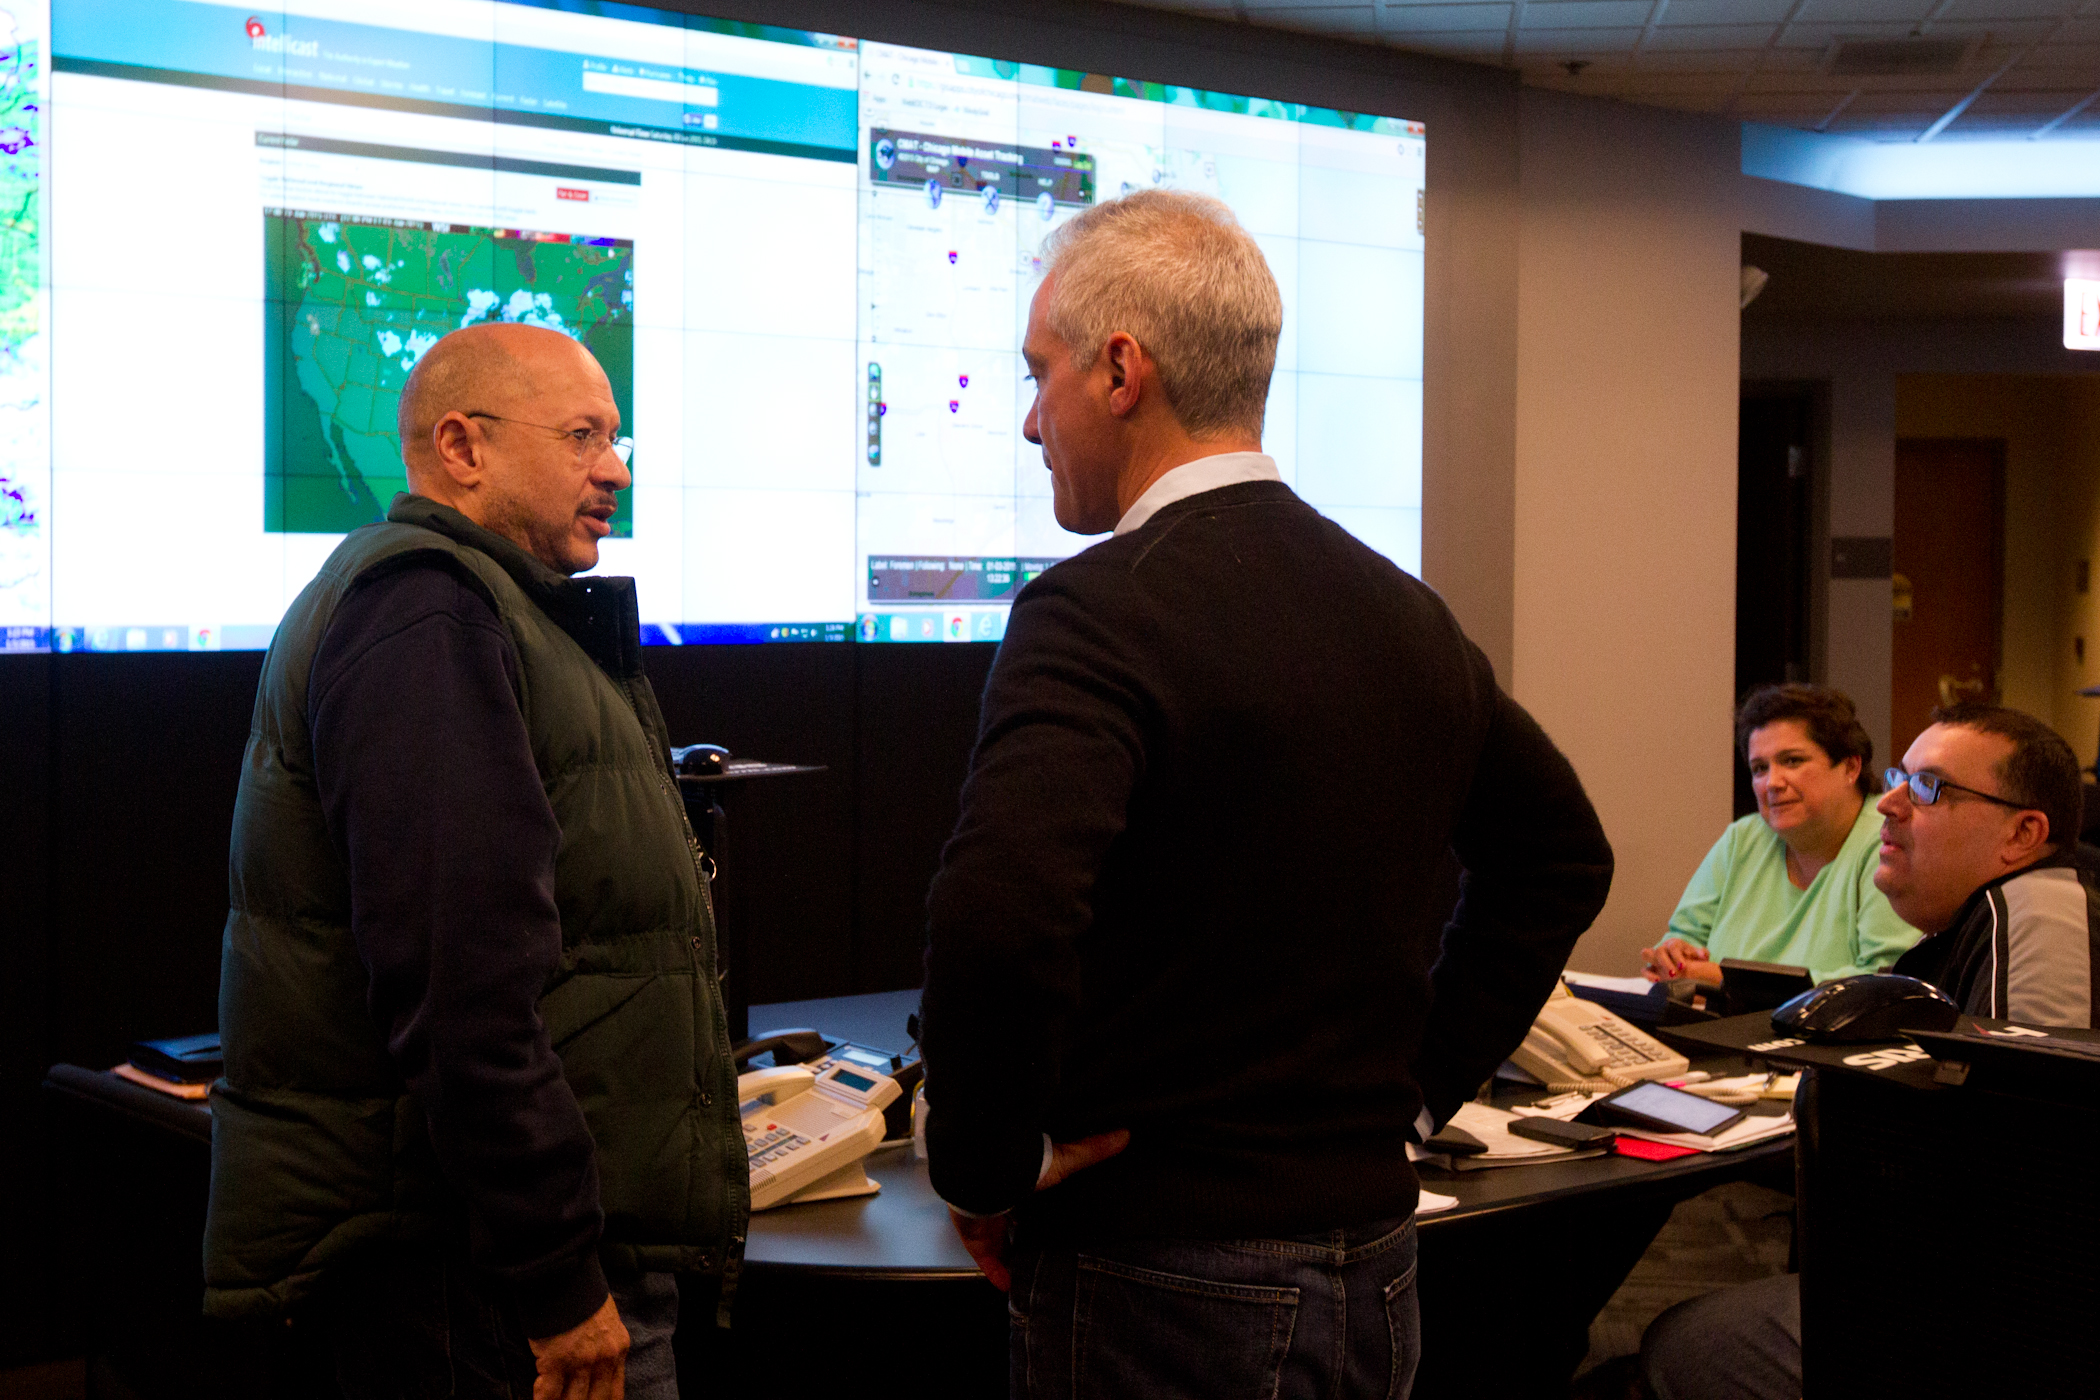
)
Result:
{"points": [[419, 1323], [1324, 1315], [1740, 1343]]}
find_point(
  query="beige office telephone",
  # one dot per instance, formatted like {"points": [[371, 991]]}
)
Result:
{"points": [[807, 1127], [1577, 1044]]}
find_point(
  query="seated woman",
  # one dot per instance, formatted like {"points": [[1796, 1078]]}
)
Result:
{"points": [[1795, 883]]}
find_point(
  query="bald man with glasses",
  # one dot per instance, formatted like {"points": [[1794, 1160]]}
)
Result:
{"points": [[478, 1110], [1979, 830]]}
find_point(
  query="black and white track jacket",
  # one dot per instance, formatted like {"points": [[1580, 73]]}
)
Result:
{"points": [[2026, 947]]}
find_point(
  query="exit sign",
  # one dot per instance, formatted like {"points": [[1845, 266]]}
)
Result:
{"points": [[2081, 313]]}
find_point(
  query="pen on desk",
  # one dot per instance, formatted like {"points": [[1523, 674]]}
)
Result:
{"points": [[1697, 1076]]}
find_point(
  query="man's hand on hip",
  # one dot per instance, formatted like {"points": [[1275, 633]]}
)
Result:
{"points": [[985, 1236], [587, 1362]]}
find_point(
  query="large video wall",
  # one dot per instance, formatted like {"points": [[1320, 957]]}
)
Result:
{"points": [[804, 260]]}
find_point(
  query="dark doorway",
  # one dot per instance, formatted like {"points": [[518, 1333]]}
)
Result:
{"points": [[1950, 511], [1774, 523]]}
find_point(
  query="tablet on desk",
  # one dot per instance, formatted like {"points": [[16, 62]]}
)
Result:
{"points": [[1661, 1109]]}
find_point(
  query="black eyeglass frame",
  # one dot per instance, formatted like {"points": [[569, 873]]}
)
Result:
{"points": [[1925, 789]]}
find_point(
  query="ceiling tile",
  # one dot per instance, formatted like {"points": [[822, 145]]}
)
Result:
{"points": [[1350, 20], [1654, 60], [1708, 54], [1660, 85], [2082, 56], [1603, 69], [1783, 113], [1718, 36], [1803, 84], [1877, 128], [1201, 7], [2041, 105], [2044, 80], [1700, 12], [1932, 103], [1576, 42], [2001, 31], [1970, 123], [2051, 10], [1867, 11], [1784, 60], [1399, 20], [1464, 43], [1586, 14], [1822, 36]]}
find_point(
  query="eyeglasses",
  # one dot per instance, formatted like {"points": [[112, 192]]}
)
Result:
{"points": [[1925, 789], [590, 443]]}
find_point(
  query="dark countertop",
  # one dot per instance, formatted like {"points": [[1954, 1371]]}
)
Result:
{"points": [[904, 1233]]}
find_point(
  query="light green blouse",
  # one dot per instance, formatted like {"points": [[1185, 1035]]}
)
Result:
{"points": [[1740, 904]]}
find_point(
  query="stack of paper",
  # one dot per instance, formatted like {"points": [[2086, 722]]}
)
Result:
{"points": [[1631, 986], [1741, 1133]]}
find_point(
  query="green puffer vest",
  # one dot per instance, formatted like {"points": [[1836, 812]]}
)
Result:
{"points": [[316, 1147]]}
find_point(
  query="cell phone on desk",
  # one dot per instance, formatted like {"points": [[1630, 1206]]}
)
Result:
{"points": [[1455, 1141], [1559, 1133]]}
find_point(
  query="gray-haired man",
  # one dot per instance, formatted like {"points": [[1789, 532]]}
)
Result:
{"points": [[1181, 1022]]}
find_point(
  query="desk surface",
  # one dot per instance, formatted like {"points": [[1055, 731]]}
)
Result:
{"points": [[904, 1232]]}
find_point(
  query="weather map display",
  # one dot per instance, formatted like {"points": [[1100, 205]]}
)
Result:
{"points": [[968, 164], [25, 453], [352, 303], [804, 261]]}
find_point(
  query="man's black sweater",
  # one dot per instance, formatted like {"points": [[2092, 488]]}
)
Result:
{"points": [[1201, 872]]}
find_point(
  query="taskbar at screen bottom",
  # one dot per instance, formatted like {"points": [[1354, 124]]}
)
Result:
{"points": [[932, 625], [174, 636]]}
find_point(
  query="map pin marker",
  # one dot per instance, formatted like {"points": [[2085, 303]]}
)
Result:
{"points": [[953, 405], [963, 380]]}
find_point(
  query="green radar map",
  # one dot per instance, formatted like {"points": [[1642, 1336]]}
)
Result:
{"points": [[25, 438], [352, 303]]}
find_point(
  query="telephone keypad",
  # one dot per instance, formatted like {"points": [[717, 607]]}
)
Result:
{"points": [[1621, 1054], [776, 1142]]}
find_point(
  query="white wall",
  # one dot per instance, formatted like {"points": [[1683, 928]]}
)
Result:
{"points": [[1627, 386]]}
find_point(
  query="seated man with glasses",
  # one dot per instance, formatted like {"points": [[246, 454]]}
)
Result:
{"points": [[1978, 831], [1978, 827]]}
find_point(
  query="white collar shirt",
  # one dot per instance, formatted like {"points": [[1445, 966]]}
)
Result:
{"points": [[1194, 478]]}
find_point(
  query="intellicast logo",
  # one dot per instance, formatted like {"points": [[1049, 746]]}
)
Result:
{"points": [[267, 42]]}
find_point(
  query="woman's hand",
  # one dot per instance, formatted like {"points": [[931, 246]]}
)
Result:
{"points": [[1674, 958]]}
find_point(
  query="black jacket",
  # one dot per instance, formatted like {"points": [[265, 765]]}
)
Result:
{"points": [[1201, 873]]}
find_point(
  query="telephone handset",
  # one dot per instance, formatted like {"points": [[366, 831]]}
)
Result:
{"points": [[1577, 1044]]}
